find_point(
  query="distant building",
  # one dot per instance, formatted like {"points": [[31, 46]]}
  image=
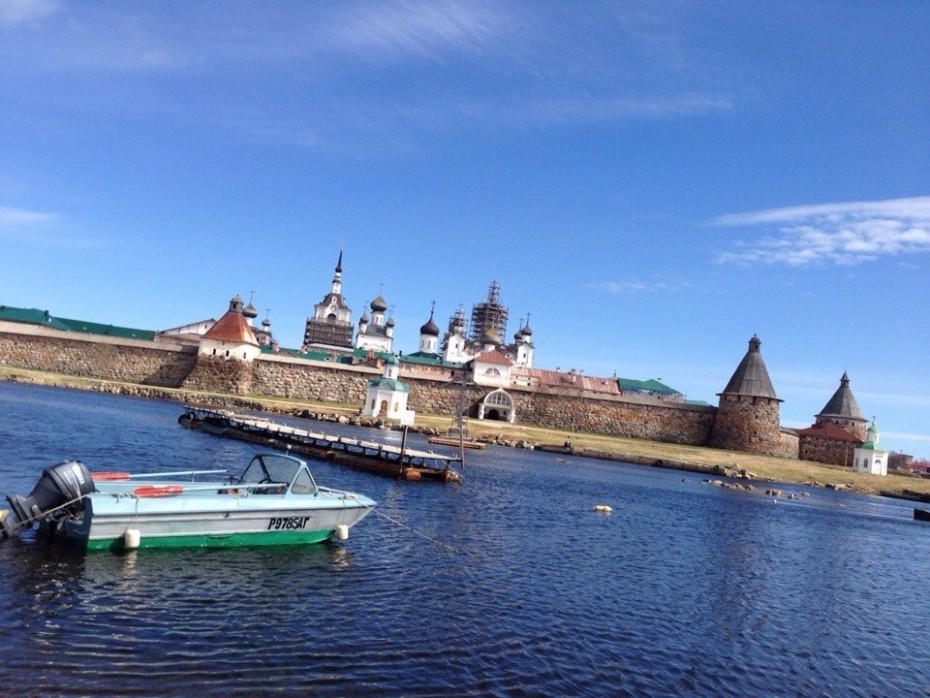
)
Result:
{"points": [[489, 314], [377, 333], [870, 456], [461, 345], [838, 428], [455, 340], [231, 336], [387, 396], [748, 413], [429, 336], [331, 325]]}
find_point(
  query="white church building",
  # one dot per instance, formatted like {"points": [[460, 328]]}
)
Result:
{"points": [[870, 456]]}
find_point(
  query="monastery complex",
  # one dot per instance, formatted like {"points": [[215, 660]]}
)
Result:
{"points": [[469, 364]]}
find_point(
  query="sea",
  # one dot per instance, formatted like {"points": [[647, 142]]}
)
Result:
{"points": [[508, 583]]}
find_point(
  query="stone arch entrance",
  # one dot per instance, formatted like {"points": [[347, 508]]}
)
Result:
{"points": [[497, 405]]}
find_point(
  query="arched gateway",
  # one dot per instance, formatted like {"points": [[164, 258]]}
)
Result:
{"points": [[497, 405]]}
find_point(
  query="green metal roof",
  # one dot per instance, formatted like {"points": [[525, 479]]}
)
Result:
{"points": [[391, 383], [33, 316], [646, 386], [107, 330], [426, 358], [872, 446]]}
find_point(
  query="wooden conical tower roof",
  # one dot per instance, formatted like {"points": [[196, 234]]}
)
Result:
{"points": [[751, 378]]}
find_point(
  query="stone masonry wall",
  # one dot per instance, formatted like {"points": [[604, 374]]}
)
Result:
{"points": [[216, 374], [824, 450], [127, 360], [748, 424], [668, 422], [311, 380], [787, 445], [671, 422]]}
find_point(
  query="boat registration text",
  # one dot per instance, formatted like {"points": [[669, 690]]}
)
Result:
{"points": [[288, 523]]}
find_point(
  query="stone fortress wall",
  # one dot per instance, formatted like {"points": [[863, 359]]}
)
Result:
{"points": [[176, 365], [162, 364]]}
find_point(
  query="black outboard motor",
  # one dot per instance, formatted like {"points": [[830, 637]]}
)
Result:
{"points": [[62, 484]]}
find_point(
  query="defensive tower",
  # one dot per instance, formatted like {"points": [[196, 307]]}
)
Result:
{"points": [[748, 414]]}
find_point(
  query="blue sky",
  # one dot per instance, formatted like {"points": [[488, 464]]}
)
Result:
{"points": [[654, 182]]}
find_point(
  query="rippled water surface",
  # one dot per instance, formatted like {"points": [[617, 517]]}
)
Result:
{"points": [[505, 584]]}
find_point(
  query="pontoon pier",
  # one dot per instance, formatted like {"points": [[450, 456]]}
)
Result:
{"points": [[396, 461]]}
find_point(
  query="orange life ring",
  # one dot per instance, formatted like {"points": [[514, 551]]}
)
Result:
{"points": [[110, 475], [157, 490]]}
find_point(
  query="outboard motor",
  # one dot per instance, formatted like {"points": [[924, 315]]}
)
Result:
{"points": [[62, 484]]}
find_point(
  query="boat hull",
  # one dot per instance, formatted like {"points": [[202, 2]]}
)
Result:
{"points": [[173, 522]]}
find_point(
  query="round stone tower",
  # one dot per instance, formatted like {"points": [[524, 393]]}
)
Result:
{"points": [[747, 417], [843, 411]]}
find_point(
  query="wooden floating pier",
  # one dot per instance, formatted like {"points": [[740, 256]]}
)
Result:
{"points": [[395, 461]]}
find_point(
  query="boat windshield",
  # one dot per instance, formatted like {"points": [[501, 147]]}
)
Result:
{"points": [[287, 470]]}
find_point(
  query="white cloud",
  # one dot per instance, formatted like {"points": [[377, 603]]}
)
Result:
{"points": [[19, 11], [16, 217], [617, 288], [39, 228], [904, 436], [419, 28], [837, 233]]}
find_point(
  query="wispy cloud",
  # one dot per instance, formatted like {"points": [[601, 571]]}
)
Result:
{"points": [[420, 29], [611, 108], [39, 228], [901, 435], [18, 217], [838, 233], [19, 11], [366, 78], [618, 288]]}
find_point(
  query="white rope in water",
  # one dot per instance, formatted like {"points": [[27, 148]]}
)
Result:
{"points": [[414, 531]]}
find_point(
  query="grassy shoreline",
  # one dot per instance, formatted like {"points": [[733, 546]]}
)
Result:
{"points": [[689, 458]]}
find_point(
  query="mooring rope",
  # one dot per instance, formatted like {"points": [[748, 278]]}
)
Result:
{"points": [[415, 531]]}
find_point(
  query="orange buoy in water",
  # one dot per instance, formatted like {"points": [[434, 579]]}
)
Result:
{"points": [[157, 490], [110, 475]]}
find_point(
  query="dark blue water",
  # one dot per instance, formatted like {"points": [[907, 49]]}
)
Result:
{"points": [[506, 584]]}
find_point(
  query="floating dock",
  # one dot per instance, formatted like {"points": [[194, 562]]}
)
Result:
{"points": [[395, 461]]}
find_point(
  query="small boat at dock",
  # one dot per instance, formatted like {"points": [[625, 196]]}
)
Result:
{"points": [[400, 462], [275, 501]]}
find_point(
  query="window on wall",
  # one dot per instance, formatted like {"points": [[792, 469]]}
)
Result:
{"points": [[492, 372]]}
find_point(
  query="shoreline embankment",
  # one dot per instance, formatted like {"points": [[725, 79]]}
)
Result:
{"points": [[716, 463]]}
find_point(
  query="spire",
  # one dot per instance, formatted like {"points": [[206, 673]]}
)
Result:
{"points": [[337, 276], [751, 378]]}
